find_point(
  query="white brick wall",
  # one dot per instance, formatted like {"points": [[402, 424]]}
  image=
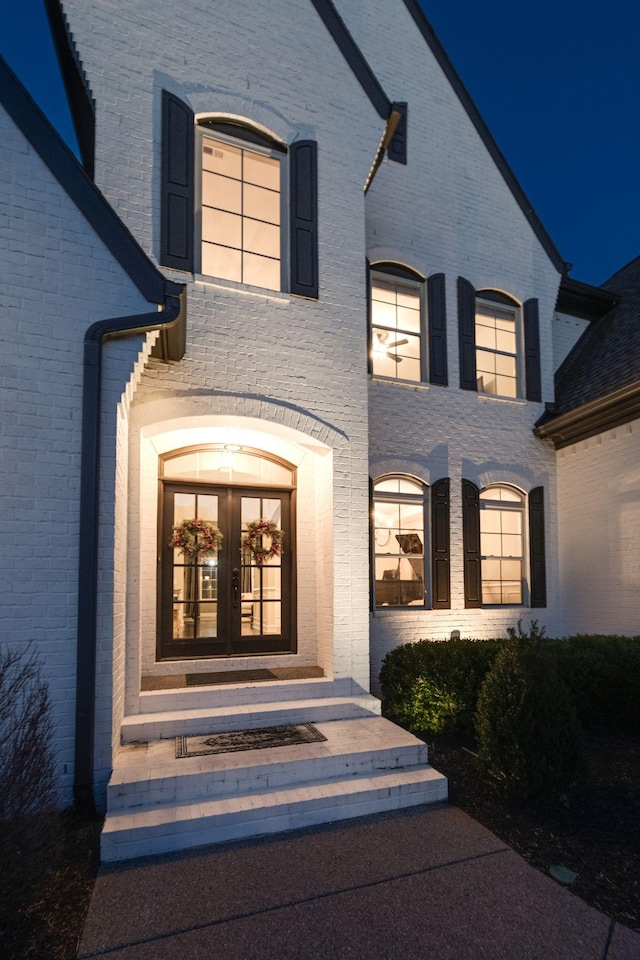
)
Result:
{"points": [[58, 278], [285, 360], [567, 331], [449, 211], [599, 526]]}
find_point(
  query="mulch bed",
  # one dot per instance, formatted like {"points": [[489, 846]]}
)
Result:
{"points": [[593, 830], [48, 868]]}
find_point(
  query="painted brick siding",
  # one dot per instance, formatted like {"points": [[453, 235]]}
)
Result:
{"points": [[567, 331], [272, 62], [450, 211], [61, 280], [598, 493], [273, 356]]}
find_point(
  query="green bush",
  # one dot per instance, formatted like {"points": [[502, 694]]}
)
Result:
{"points": [[603, 675], [432, 686], [528, 733]]}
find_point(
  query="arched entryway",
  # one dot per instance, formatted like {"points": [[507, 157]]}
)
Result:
{"points": [[232, 600]]}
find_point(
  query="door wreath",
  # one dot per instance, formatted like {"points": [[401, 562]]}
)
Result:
{"points": [[196, 539], [252, 540]]}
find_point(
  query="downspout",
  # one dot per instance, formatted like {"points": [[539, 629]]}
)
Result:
{"points": [[166, 321]]}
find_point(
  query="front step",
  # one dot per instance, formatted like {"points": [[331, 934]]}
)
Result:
{"points": [[169, 828], [192, 722], [235, 695], [157, 803]]}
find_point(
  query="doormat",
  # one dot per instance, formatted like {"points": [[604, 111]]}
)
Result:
{"points": [[236, 740], [228, 676]]}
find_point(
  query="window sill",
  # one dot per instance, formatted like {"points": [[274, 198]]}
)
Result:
{"points": [[503, 606], [262, 293], [495, 398], [407, 384], [387, 611]]}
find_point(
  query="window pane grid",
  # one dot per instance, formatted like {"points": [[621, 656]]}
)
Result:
{"points": [[399, 561], [396, 330], [496, 351], [501, 546], [240, 215]]}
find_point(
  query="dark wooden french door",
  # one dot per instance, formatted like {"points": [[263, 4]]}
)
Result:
{"points": [[225, 604]]}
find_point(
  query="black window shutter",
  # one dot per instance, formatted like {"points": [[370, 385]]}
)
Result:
{"points": [[369, 336], [372, 552], [440, 545], [177, 188], [532, 350], [397, 149], [471, 544], [303, 197], [467, 334], [536, 548], [437, 320]]}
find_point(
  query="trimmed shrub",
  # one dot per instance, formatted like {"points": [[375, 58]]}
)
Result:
{"points": [[432, 686], [528, 733], [603, 675]]}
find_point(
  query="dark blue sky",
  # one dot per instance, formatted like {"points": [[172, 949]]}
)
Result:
{"points": [[556, 82]]}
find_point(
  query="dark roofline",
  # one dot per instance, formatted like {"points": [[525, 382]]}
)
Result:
{"points": [[612, 278], [449, 70], [352, 54], [579, 299], [613, 410], [81, 102], [81, 190]]}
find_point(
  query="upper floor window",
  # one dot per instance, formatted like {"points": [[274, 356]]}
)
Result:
{"points": [[255, 200], [396, 328], [499, 343], [240, 212], [497, 330], [405, 343]]}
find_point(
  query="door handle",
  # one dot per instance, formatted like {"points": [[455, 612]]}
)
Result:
{"points": [[235, 586]]}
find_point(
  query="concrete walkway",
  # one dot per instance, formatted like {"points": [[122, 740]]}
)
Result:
{"points": [[423, 884]]}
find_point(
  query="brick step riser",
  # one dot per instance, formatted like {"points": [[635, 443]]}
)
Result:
{"points": [[161, 701], [214, 784], [306, 813], [146, 729]]}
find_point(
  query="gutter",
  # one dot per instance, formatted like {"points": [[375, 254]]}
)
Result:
{"points": [[170, 322], [613, 410]]}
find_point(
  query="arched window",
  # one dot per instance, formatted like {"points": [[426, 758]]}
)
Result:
{"points": [[502, 516], [499, 342], [224, 200], [408, 325], [241, 204], [399, 541], [497, 328], [397, 323]]}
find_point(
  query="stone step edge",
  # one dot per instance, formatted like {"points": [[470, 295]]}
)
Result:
{"points": [[257, 692], [236, 808], [351, 805], [153, 778], [369, 703]]}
